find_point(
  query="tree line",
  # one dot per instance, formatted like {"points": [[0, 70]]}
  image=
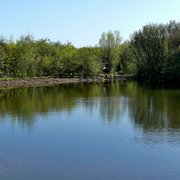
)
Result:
{"points": [[151, 54]]}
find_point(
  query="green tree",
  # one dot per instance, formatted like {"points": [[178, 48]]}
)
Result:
{"points": [[25, 57], [172, 65], [68, 60], [173, 33], [3, 57], [150, 48], [88, 63], [109, 44], [126, 59]]}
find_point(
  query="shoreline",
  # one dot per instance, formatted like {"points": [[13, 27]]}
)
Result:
{"points": [[50, 81]]}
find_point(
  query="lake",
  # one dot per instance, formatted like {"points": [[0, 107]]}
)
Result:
{"points": [[118, 130]]}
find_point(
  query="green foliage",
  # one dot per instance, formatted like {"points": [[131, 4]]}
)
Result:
{"points": [[30, 58], [24, 63], [172, 68], [109, 49], [172, 65], [173, 32], [156, 49], [88, 62], [150, 49], [126, 59], [153, 54], [3, 58]]}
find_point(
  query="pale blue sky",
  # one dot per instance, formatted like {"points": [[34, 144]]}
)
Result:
{"points": [[82, 21]]}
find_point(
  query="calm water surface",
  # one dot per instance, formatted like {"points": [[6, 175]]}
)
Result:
{"points": [[106, 131]]}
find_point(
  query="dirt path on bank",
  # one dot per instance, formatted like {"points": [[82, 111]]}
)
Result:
{"points": [[46, 81], [54, 81]]}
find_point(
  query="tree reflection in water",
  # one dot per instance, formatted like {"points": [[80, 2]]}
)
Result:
{"points": [[150, 110]]}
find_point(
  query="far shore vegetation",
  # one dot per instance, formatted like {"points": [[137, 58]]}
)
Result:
{"points": [[152, 54]]}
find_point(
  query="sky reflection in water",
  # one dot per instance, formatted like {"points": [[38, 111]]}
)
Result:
{"points": [[103, 131]]}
